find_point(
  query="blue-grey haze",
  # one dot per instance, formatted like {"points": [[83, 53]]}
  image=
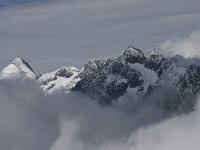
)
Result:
{"points": [[54, 33]]}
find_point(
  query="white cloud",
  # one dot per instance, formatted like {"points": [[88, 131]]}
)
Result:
{"points": [[188, 47], [179, 133], [30, 120]]}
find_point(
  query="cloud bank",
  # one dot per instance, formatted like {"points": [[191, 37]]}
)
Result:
{"points": [[31, 120], [188, 47]]}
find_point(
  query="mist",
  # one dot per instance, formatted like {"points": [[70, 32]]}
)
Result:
{"points": [[187, 47], [31, 119]]}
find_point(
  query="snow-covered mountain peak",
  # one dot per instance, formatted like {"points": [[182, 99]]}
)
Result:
{"points": [[156, 51], [92, 64], [62, 79], [131, 74], [17, 69], [18, 60], [133, 55]]}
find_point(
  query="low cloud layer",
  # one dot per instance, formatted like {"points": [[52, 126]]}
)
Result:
{"points": [[31, 120], [188, 47]]}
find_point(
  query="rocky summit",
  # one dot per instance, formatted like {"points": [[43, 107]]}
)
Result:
{"points": [[132, 74]]}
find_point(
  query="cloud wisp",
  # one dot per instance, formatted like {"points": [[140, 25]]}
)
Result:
{"points": [[188, 47]]}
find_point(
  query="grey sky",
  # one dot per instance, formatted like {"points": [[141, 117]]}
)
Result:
{"points": [[53, 33]]}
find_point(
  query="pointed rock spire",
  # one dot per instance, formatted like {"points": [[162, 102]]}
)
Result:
{"points": [[18, 68]]}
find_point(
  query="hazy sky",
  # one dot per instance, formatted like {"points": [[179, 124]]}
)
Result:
{"points": [[53, 33]]}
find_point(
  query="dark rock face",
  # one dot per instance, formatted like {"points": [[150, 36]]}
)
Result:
{"points": [[190, 82], [155, 62], [134, 55], [63, 72], [49, 80], [132, 73], [109, 79], [27, 65], [158, 63], [116, 90]]}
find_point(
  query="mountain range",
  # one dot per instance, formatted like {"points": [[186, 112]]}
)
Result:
{"points": [[132, 74]]}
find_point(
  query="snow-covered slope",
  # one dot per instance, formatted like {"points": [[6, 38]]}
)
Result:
{"points": [[62, 79], [135, 74], [112, 78], [132, 74], [18, 69]]}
